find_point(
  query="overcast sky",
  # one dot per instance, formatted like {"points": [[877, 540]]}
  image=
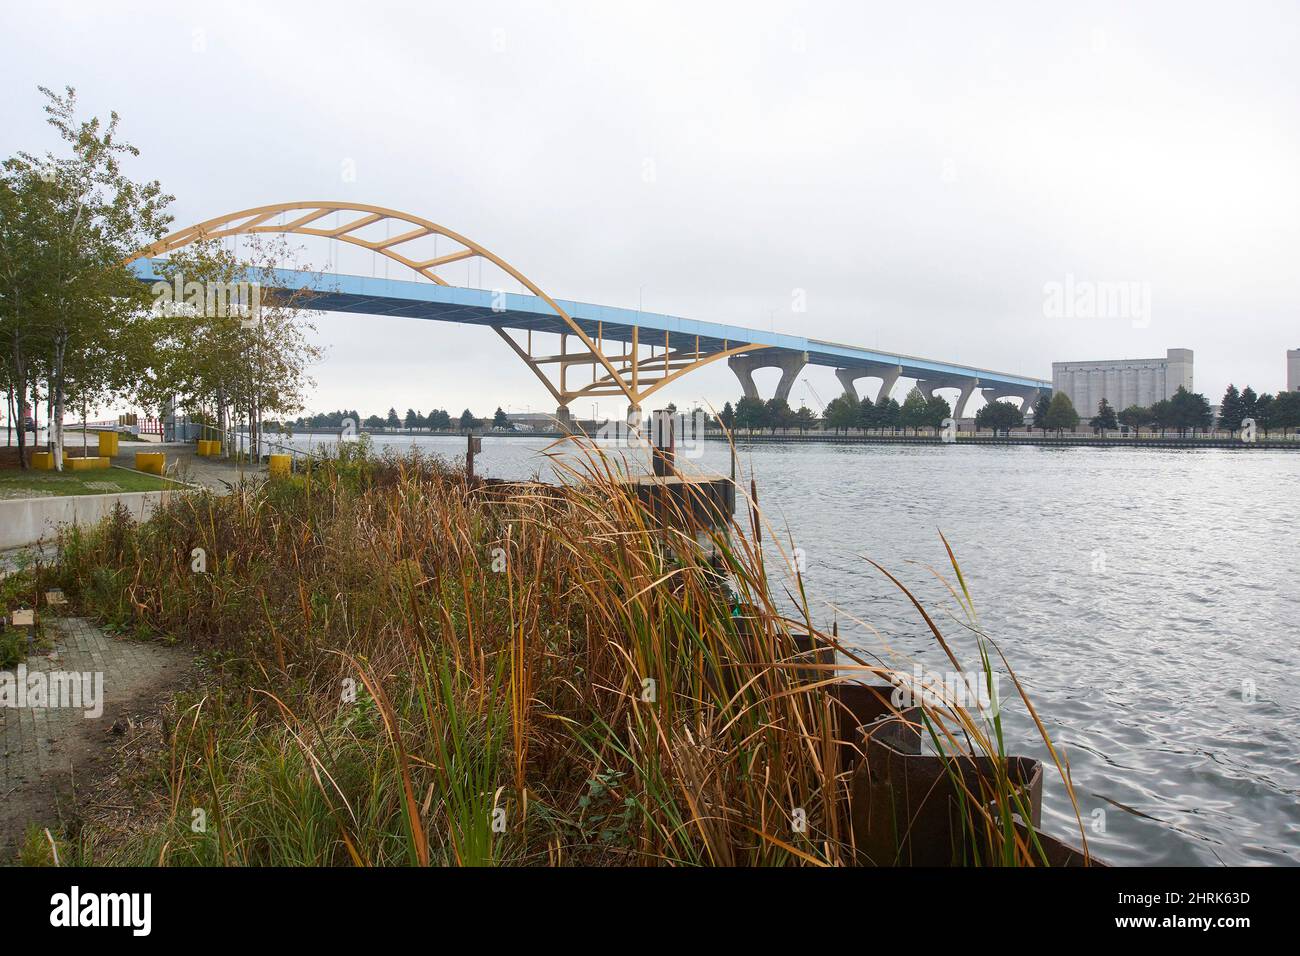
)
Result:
{"points": [[922, 171]]}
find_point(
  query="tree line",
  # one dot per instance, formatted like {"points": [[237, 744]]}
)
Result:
{"points": [[437, 420], [1189, 412], [754, 414], [841, 413], [1269, 412], [1184, 412]]}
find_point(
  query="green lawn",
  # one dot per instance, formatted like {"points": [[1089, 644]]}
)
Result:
{"points": [[41, 484]]}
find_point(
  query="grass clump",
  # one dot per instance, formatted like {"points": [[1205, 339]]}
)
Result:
{"points": [[19, 589]]}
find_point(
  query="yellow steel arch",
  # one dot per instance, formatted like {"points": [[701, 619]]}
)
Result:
{"points": [[625, 379]]}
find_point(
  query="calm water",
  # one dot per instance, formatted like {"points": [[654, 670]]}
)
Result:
{"points": [[1148, 599]]}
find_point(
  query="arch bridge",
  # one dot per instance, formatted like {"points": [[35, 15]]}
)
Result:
{"points": [[602, 350]]}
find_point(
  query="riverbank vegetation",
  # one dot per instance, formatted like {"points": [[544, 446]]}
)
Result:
{"points": [[410, 669]]}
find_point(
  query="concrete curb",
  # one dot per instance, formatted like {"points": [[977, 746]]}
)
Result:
{"points": [[24, 521]]}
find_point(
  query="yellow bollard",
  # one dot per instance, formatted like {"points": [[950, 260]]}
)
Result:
{"points": [[43, 460], [280, 466], [87, 464], [151, 461], [108, 444]]}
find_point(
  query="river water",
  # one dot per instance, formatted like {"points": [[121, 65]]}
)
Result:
{"points": [[1148, 599]]}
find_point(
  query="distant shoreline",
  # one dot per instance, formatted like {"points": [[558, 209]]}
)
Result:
{"points": [[1073, 441], [965, 439]]}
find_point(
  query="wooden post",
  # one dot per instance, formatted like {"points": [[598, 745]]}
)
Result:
{"points": [[663, 452], [475, 444], [25, 617]]}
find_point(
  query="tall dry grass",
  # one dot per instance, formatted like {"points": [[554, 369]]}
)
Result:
{"points": [[407, 668]]}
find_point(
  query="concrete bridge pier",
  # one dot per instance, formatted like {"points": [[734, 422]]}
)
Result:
{"points": [[967, 385], [888, 375], [1026, 395], [790, 364]]}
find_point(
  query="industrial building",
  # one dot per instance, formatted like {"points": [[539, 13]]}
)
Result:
{"points": [[1123, 382]]}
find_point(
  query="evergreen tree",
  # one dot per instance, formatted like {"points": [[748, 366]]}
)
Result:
{"points": [[937, 411], [915, 411], [392, 421], [727, 416], [467, 421], [775, 411], [1190, 410], [501, 420], [1042, 405], [750, 413], [866, 413], [1286, 412], [1135, 416], [889, 414], [1266, 413], [1161, 416], [412, 418], [1061, 414], [999, 416], [1248, 402], [1105, 419], [841, 414], [1230, 415]]}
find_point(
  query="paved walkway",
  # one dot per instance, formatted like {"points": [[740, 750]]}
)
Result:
{"points": [[183, 462], [50, 755]]}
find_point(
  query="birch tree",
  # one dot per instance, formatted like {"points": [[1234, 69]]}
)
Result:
{"points": [[79, 218], [231, 365]]}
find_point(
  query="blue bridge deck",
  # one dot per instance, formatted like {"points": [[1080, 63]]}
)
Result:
{"points": [[425, 300]]}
